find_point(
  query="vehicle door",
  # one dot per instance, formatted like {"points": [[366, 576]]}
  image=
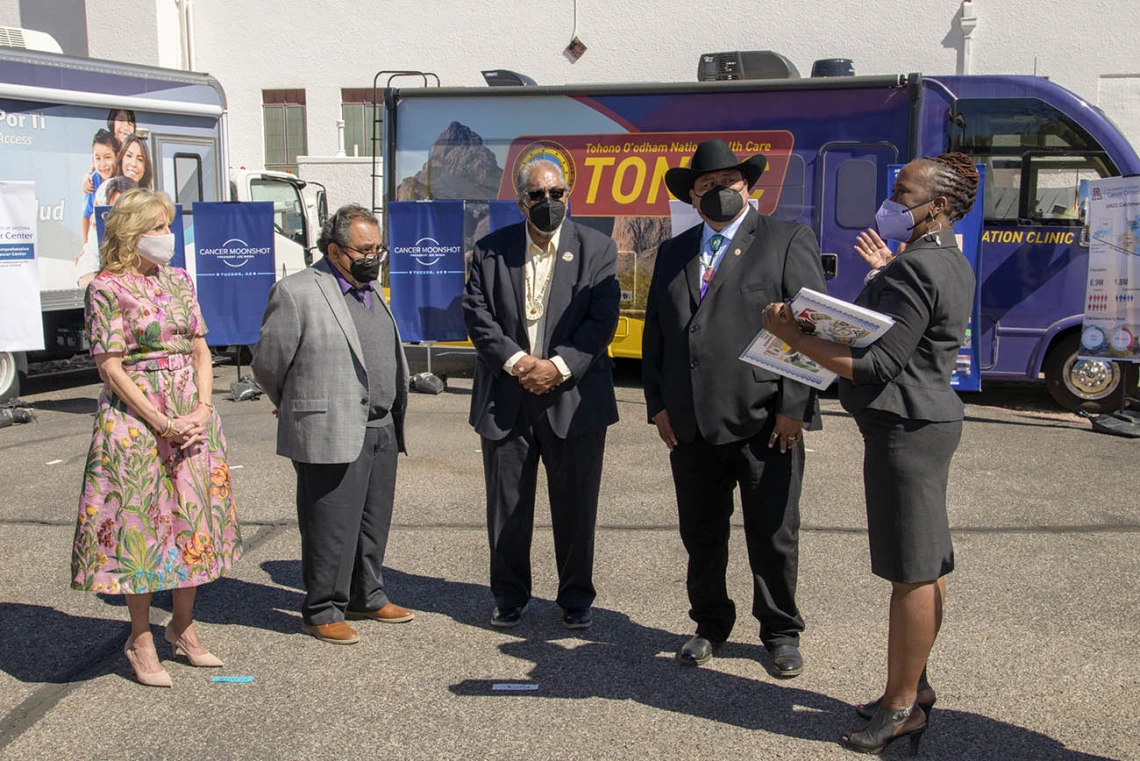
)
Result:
{"points": [[851, 183]]}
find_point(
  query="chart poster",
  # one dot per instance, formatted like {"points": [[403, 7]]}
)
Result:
{"points": [[21, 327], [1112, 316]]}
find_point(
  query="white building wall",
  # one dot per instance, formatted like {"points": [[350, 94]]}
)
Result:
{"points": [[123, 30], [10, 13]]}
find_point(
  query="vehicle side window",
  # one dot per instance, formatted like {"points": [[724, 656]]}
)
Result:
{"points": [[288, 211], [1035, 157], [1054, 185], [187, 179], [854, 206]]}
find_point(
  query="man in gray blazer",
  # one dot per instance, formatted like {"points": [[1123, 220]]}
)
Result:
{"points": [[330, 359]]}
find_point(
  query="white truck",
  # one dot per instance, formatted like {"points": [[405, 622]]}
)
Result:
{"points": [[51, 108]]}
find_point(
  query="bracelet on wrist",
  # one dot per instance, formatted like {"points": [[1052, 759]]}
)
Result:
{"points": [[207, 405], [166, 432]]}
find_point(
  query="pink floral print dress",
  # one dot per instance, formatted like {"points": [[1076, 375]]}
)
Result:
{"points": [[151, 517]]}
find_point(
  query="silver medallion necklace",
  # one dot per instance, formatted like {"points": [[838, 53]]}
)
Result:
{"points": [[535, 298]]}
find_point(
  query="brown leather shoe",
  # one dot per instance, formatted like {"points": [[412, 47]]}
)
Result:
{"points": [[389, 614], [336, 633]]}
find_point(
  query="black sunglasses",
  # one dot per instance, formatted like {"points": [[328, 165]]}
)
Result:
{"points": [[537, 195]]}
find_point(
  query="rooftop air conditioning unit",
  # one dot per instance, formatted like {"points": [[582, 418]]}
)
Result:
{"points": [[28, 39], [745, 64]]}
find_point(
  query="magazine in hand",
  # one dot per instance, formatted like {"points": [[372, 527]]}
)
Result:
{"points": [[820, 315]]}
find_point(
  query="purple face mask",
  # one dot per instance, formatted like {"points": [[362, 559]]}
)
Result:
{"points": [[895, 221]]}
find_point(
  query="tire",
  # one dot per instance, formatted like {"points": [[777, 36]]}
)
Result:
{"points": [[11, 377], [1092, 385]]}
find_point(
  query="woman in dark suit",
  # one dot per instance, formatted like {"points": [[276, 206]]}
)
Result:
{"points": [[899, 391]]}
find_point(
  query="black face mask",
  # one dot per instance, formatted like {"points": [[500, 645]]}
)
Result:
{"points": [[721, 204], [366, 269], [547, 214]]}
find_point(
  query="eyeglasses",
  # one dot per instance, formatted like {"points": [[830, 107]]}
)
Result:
{"points": [[372, 253], [539, 193]]}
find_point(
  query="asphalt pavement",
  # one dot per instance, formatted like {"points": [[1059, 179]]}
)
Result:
{"points": [[1038, 657]]}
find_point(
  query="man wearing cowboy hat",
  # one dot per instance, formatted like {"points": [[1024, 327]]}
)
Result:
{"points": [[725, 422]]}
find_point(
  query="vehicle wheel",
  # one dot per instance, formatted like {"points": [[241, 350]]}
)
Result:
{"points": [[1092, 385], [11, 377]]}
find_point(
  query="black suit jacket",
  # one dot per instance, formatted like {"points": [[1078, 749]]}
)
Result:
{"points": [[691, 348], [581, 317], [929, 290]]}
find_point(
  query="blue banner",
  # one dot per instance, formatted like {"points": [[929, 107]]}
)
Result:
{"points": [[179, 259], [426, 269], [233, 244], [967, 370], [502, 214]]}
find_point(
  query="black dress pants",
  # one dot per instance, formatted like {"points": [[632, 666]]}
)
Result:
{"points": [[344, 512], [705, 476], [574, 476]]}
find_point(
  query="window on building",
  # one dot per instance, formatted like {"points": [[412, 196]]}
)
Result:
{"points": [[360, 119], [283, 112]]}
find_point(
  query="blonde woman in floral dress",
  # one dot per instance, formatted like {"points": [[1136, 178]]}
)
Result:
{"points": [[157, 510]]}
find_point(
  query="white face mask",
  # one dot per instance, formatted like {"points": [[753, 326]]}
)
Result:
{"points": [[158, 249]]}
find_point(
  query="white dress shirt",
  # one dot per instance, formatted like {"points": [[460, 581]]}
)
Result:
{"points": [[540, 263]]}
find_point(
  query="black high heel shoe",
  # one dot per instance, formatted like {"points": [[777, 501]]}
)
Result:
{"points": [[886, 726], [926, 701]]}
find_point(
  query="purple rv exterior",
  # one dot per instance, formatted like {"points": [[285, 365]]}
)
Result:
{"points": [[1038, 142]]}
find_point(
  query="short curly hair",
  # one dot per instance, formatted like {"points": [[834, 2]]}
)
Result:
{"points": [[337, 226]]}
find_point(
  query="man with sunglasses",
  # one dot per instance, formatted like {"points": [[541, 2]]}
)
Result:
{"points": [[330, 359], [726, 423], [541, 306]]}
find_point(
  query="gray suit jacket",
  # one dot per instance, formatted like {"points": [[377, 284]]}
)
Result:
{"points": [[929, 290], [309, 361]]}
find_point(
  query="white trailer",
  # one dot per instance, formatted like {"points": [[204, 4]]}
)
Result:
{"points": [[52, 106]]}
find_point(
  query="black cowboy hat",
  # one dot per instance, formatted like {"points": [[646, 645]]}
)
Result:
{"points": [[712, 156]]}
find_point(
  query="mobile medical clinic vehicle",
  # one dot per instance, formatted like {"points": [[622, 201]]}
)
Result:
{"points": [[51, 107], [828, 142]]}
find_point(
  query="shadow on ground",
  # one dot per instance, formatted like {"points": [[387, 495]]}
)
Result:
{"points": [[619, 659]]}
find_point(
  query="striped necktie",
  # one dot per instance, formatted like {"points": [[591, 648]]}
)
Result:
{"points": [[715, 244]]}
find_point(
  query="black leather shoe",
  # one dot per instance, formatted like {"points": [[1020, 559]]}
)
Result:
{"points": [[577, 618], [787, 661], [698, 651], [506, 618]]}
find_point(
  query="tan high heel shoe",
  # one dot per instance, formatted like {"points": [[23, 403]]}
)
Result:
{"points": [[200, 660], [148, 678]]}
